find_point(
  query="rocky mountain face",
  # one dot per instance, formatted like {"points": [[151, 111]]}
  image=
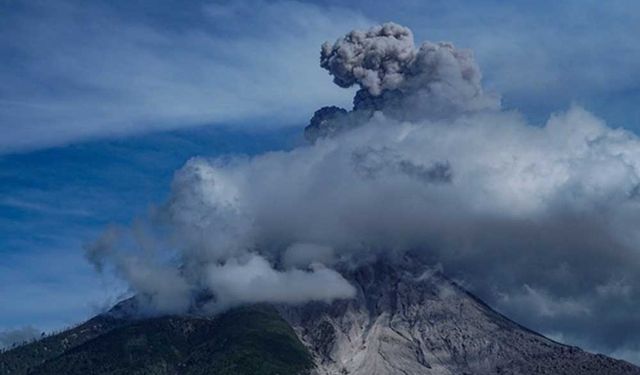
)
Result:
{"points": [[409, 320], [406, 319]]}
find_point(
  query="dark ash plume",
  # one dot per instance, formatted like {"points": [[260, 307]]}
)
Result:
{"points": [[434, 80]]}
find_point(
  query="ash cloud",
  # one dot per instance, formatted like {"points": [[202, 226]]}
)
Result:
{"points": [[405, 82], [540, 221]]}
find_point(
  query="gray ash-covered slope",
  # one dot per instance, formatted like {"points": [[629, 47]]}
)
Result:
{"points": [[405, 320]]}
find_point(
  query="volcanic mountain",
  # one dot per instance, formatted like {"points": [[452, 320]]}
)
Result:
{"points": [[405, 319]]}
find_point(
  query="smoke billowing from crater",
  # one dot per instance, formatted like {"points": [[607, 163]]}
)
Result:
{"points": [[405, 82], [540, 221]]}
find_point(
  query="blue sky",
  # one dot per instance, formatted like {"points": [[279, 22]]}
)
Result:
{"points": [[101, 102]]}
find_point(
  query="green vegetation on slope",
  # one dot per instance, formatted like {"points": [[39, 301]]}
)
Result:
{"points": [[246, 341], [19, 360]]}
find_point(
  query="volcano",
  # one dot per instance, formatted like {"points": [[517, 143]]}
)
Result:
{"points": [[406, 319]]}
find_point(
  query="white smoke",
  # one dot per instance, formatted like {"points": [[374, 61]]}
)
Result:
{"points": [[13, 337], [396, 184], [507, 206], [254, 280]]}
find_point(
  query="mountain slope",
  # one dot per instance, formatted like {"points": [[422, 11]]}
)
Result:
{"points": [[408, 320], [252, 340], [405, 319], [19, 360]]}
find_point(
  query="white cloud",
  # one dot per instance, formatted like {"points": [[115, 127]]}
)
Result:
{"points": [[10, 338], [254, 280]]}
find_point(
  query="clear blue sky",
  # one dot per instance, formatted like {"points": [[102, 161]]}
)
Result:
{"points": [[101, 102]]}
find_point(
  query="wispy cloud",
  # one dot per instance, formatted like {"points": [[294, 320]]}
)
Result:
{"points": [[73, 71], [43, 208]]}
